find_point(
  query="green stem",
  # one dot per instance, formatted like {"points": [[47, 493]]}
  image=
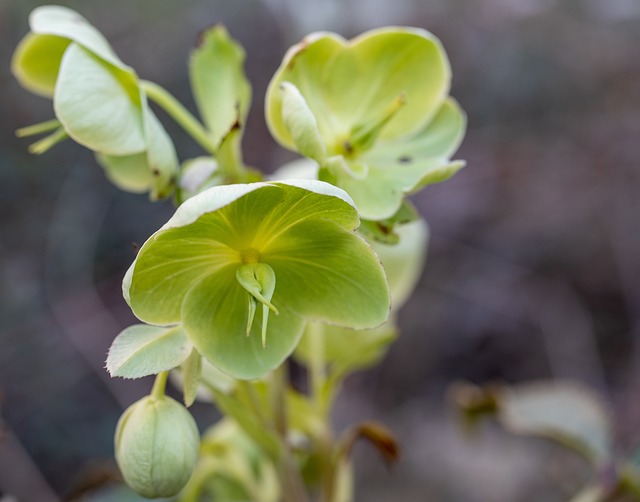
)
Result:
{"points": [[290, 480], [160, 384], [253, 400], [317, 371], [324, 439], [179, 113]]}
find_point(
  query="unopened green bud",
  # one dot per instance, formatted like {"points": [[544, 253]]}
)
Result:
{"points": [[156, 445]]}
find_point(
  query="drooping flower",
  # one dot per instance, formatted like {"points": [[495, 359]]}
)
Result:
{"points": [[373, 112], [98, 100], [242, 267]]}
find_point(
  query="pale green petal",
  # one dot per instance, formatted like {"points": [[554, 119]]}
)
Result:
{"points": [[142, 350], [67, 23], [277, 206], [438, 174], [327, 274], [440, 138], [153, 170], [198, 174], [316, 47], [215, 313], [349, 84], [36, 61], [403, 262], [301, 123], [168, 265], [220, 87], [99, 104], [209, 201], [129, 172], [380, 195], [320, 187], [303, 168], [161, 155]]}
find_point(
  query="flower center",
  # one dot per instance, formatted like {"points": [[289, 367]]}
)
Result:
{"points": [[259, 281], [249, 256]]}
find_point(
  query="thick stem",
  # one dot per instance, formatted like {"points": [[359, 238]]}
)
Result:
{"points": [[324, 438], [317, 370], [290, 480], [179, 113]]}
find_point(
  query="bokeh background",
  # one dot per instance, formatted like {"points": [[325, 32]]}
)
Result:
{"points": [[533, 269]]}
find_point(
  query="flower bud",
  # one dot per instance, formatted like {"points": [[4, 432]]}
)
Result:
{"points": [[156, 446]]}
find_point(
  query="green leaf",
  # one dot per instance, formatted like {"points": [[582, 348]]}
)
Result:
{"points": [[191, 371], [301, 123], [348, 84], [99, 104], [567, 412], [220, 87], [142, 350]]}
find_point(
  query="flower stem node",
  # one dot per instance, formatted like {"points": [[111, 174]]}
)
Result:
{"points": [[156, 445]]}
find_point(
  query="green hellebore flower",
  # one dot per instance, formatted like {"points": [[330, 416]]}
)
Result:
{"points": [[242, 267], [373, 112], [98, 100], [156, 445]]}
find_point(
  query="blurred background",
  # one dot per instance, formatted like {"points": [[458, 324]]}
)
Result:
{"points": [[533, 269]]}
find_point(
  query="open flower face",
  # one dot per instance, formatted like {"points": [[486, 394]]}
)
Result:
{"points": [[97, 99], [242, 267], [373, 112]]}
